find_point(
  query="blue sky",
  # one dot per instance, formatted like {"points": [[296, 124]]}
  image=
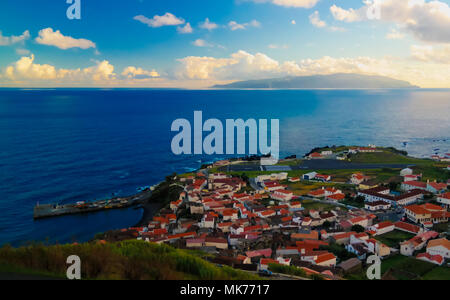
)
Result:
{"points": [[409, 40]]}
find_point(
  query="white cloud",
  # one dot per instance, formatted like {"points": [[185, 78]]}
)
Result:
{"points": [[158, 21], [56, 38], [316, 21], [10, 40], [428, 21], [26, 69], [208, 25], [344, 15], [434, 54], [233, 25], [290, 3], [201, 43], [394, 34], [139, 73], [244, 66], [186, 29]]}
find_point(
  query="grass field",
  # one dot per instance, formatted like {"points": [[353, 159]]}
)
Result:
{"points": [[394, 238], [309, 204], [438, 273], [422, 269], [407, 268], [388, 158]]}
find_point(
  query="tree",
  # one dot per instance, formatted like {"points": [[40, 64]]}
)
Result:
{"points": [[360, 199], [358, 228]]}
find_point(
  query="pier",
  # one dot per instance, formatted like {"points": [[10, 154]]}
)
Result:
{"points": [[56, 210]]}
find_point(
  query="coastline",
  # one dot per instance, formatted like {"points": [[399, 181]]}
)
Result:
{"points": [[149, 211]]}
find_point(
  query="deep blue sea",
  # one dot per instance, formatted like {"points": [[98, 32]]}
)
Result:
{"points": [[66, 145]]}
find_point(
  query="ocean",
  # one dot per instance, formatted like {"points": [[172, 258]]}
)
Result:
{"points": [[69, 145]]}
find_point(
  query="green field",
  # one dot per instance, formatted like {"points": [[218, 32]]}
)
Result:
{"points": [[394, 238], [309, 204], [407, 268], [410, 265]]}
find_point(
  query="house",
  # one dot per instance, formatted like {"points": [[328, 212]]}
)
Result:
{"points": [[195, 243], [342, 238], [272, 186], [323, 178], [357, 178], [359, 249], [439, 247], [283, 195], [208, 221], [434, 259], [417, 214], [305, 235], [219, 243], [295, 205], [350, 266], [383, 194], [412, 177], [266, 213], [362, 221], [407, 171], [413, 185], [407, 248], [377, 205], [294, 179], [265, 262], [378, 248], [326, 153], [417, 243], [320, 193], [382, 228], [267, 253], [175, 204], [406, 227], [444, 199], [370, 184], [315, 155], [309, 176], [325, 260], [436, 188], [336, 197]]}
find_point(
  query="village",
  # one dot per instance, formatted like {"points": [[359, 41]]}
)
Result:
{"points": [[323, 224]]}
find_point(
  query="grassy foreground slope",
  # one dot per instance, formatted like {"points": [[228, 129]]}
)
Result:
{"points": [[128, 260]]}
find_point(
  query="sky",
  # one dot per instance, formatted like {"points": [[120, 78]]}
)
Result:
{"points": [[199, 43]]}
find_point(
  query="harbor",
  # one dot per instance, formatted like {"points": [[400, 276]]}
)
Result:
{"points": [[57, 210]]}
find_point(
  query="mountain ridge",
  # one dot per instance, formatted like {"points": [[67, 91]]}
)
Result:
{"points": [[333, 81]]}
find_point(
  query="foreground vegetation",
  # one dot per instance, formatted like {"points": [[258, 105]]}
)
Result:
{"points": [[128, 260], [401, 267]]}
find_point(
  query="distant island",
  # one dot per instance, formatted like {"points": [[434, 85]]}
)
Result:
{"points": [[335, 81]]}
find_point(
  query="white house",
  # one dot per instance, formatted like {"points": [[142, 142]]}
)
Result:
{"points": [[406, 171], [439, 247], [444, 199], [310, 176], [283, 195], [383, 228]]}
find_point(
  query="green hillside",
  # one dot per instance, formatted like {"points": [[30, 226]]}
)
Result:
{"points": [[128, 260]]}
